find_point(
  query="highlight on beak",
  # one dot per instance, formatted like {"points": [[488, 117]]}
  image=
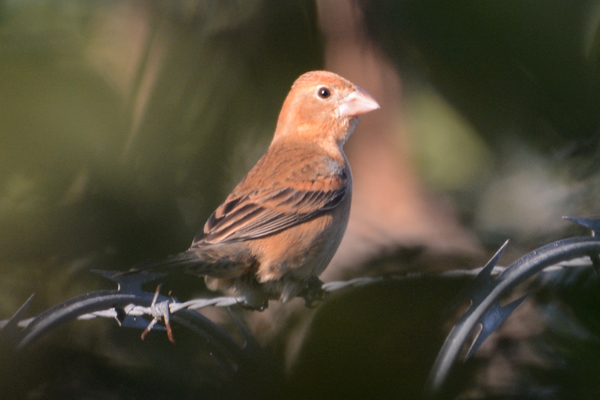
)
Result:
{"points": [[356, 103]]}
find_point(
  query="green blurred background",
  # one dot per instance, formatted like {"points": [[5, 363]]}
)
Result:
{"points": [[123, 124]]}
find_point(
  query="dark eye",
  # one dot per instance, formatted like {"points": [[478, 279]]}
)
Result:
{"points": [[323, 92]]}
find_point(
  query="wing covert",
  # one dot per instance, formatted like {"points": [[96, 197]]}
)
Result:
{"points": [[261, 213]]}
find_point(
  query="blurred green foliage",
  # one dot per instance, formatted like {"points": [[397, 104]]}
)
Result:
{"points": [[123, 124]]}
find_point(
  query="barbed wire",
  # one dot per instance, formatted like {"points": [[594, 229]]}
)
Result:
{"points": [[329, 287], [486, 291], [489, 284]]}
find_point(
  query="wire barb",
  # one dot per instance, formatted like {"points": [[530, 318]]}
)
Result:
{"points": [[486, 292], [130, 302], [160, 311]]}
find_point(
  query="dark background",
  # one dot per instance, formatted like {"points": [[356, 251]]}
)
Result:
{"points": [[123, 124]]}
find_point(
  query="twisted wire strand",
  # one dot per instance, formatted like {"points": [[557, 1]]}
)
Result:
{"points": [[157, 310], [226, 301]]}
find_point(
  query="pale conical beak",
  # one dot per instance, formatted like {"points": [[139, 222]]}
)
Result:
{"points": [[357, 103]]}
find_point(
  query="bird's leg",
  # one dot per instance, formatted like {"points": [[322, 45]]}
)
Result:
{"points": [[251, 290], [313, 292]]}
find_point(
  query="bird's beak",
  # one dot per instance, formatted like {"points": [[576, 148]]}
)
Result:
{"points": [[356, 103]]}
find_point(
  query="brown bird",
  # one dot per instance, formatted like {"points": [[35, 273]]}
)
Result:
{"points": [[281, 225]]}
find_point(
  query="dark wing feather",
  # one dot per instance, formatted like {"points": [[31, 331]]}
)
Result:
{"points": [[263, 213]]}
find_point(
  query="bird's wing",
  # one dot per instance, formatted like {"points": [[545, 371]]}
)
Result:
{"points": [[255, 214]]}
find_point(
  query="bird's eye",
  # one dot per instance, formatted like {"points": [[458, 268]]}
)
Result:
{"points": [[323, 92]]}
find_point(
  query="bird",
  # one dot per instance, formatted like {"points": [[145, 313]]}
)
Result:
{"points": [[281, 225]]}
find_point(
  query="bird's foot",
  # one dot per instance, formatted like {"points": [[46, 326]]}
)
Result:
{"points": [[253, 306], [313, 292]]}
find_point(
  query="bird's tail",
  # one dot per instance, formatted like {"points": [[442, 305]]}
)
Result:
{"points": [[206, 260], [177, 261]]}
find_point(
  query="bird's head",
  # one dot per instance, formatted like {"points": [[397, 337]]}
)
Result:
{"points": [[322, 107]]}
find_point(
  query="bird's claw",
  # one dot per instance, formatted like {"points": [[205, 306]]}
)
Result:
{"points": [[250, 306], [313, 292]]}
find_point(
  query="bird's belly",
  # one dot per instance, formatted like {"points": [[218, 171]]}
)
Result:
{"points": [[299, 252]]}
